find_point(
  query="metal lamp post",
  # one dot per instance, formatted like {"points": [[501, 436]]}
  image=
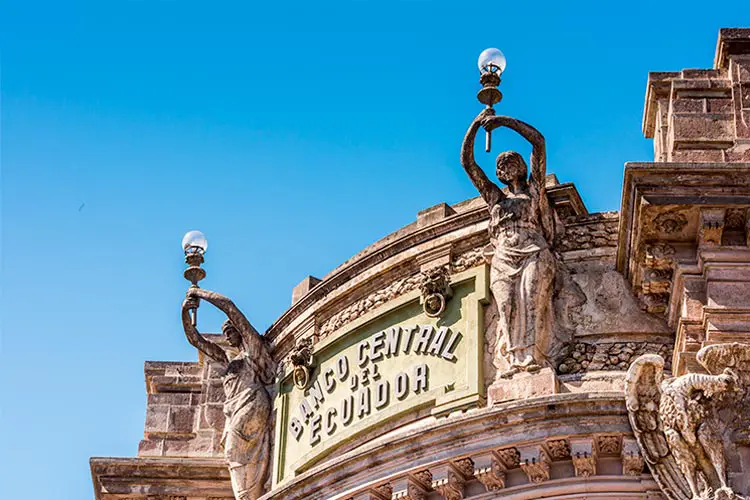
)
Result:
{"points": [[491, 65], [194, 243]]}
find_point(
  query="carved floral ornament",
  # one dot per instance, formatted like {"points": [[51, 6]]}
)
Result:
{"points": [[691, 428]]}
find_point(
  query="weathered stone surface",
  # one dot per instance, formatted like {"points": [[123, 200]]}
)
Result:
{"points": [[673, 278], [524, 386], [686, 427]]}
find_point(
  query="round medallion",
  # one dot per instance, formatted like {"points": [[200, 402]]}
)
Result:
{"points": [[434, 305], [301, 376]]}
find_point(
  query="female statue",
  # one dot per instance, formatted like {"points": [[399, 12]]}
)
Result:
{"points": [[522, 272], [247, 405]]}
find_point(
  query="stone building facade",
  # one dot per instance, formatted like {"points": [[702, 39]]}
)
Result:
{"points": [[403, 397]]}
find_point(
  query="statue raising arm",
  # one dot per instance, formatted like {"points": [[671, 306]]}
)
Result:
{"points": [[251, 339], [207, 347], [537, 178], [488, 189], [538, 152]]}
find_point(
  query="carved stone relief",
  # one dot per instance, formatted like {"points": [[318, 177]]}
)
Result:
{"points": [[690, 428], [302, 360], [670, 222], [559, 449], [609, 445], [436, 290], [489, 470], [460, 263]]}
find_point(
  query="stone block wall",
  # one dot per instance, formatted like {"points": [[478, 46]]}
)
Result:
{"points": [[590, 231], [184, 412], [703, 115]]}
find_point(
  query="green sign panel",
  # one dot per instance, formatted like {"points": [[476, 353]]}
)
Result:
{"points": [[388, 364]]}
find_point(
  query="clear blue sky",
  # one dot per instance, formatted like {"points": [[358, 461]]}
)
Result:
{"points": [[293, 134]]}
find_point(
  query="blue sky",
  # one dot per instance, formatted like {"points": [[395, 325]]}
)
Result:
{"points": [[293, 135]]}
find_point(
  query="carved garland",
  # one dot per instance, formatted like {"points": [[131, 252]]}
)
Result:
{"points": [[465, 261]]}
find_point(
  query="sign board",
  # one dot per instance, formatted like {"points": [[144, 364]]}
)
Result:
{"points": [[388, 364]]}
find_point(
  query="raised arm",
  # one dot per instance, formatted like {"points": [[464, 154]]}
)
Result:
{"points": [[539, 150], [208, 348], [488, 189], [250, 335], [537, 181]]}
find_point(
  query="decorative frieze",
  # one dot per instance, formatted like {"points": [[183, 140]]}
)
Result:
{"points": [[583, 455], [536, 464], [510, 457], [711, 226], [449, 481], [670, 222], [609, 445], [658, 256], [559, 449], [397, 288], [590, 231], [490, 471], [632, 460]]}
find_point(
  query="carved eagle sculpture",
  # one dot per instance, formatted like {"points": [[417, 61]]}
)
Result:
{"points": [[676, 421]]}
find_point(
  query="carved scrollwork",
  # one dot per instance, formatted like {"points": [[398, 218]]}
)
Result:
{"points": [[584, 464], [491, 472], [559, 449], [451, 487], [659, 256], [609, 445], [537, 470]]}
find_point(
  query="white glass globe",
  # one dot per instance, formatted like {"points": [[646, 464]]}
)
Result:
{"points": [[491, 61], [194, 241]]}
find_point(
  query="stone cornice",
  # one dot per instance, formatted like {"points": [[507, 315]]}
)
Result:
{"points": [[667, 183], [161, 477]]}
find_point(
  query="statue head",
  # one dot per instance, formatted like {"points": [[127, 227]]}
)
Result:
{"points": [[511, 168], [232, 334], [729, 379]]}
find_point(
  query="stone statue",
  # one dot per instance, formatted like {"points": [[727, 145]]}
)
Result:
{"points": [[678, 422], [246, 369], [522, 273]]}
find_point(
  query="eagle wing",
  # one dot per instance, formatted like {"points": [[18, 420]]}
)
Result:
{"points": [[642, 398], [715, 358]]}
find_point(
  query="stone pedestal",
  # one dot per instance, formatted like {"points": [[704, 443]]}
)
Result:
{"points": [[524, 386]]}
